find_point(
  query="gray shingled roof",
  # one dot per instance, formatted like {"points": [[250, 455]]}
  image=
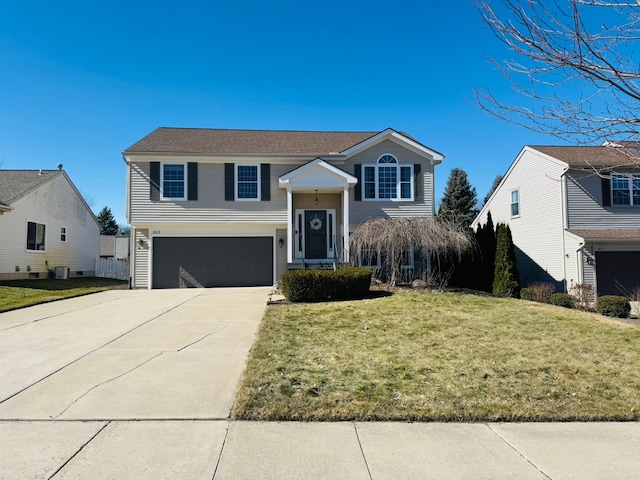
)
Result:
{"points": [[15, 183], [608, 233], [238, 142], [627, 155]]}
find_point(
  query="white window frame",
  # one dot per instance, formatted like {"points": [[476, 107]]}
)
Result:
{"points": [[162, 195], [237, 181], [516, 203], [376, 168], [631, 179], [375, 266], [63, 234], [44, 240]]}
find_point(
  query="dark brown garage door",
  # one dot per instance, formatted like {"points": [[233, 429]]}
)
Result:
{"points": [[617, 272], [212, 262]]}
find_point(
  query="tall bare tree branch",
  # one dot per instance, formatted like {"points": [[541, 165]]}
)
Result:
{"points": [[576, 65]]}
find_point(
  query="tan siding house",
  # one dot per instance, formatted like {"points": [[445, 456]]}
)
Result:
{"points": [[578, 215], [45, 223], [215, 207]]}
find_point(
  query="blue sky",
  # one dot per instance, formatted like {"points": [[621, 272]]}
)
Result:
{"points": [[82, 81]]}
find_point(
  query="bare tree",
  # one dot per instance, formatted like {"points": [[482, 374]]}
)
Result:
{"points": [[576, 60], [394, 239]]}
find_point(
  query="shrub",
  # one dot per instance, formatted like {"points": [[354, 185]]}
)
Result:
{"points": [[321, 285], [562, 300], [526, 293], [583, 294], [613, 306], [538, 292]]}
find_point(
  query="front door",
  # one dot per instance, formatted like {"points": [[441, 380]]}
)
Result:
{"points": [[315, 234]]}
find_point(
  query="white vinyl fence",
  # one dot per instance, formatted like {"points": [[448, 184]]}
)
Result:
{"points": [[112, 268]]}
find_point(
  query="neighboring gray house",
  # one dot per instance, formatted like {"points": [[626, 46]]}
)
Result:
{"points": [[212, 207], [115, 246], [574, 213], [45, 223]]}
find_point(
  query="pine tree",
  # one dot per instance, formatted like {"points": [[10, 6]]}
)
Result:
{"points": [[108, 224], [459, 200], [505, 280], [494, 185]]}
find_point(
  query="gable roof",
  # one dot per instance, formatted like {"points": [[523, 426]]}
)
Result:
{"points": [[14, 184], [207, 141], [609, 155]]}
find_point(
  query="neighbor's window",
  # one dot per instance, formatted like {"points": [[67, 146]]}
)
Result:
{"points": [[515, 203], [248, 182], [625, 189], [63, 234], [35, 236], [173, 181], [387, 179]]}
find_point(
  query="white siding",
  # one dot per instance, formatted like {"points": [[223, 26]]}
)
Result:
{"points": [[54, 204], [538, 232], [140, 258], [585, 210]]}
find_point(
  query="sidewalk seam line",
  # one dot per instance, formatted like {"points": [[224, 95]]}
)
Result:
{"points": [[79, 450], [224, 442], [366, 464], [520, 454]]}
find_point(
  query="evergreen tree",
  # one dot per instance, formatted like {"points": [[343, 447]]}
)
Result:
{"points": [[108, 224], [486, 238], [494, 185], [505, 280], [459, 201]]}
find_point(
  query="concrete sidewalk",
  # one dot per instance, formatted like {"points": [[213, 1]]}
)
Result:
{"points": [[256, 450]]}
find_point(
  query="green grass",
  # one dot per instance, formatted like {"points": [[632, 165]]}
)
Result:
{"points": [[430, 356], [23, 293]]}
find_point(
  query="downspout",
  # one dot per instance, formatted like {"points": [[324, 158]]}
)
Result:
{"points": [[565, 225]]}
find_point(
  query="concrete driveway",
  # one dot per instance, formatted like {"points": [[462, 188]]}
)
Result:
{"points": [[108, 359]]}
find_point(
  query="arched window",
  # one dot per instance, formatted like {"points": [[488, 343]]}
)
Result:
{"points": [[388, 180]]}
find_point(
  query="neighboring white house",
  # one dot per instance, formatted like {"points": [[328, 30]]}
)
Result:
{"points": [[45, 223], [574, 214], [211, 207]]}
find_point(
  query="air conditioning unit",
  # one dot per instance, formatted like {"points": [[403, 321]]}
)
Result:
{"points": [[62, 273]]}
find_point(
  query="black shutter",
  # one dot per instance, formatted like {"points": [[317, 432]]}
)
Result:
{"points": [[606, 192], [265, 182], [417, 184], [154, 184], [357, 171], [229, 194], [192, 181]]}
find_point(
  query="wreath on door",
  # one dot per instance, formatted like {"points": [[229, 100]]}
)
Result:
{"points": [[316, 224]]}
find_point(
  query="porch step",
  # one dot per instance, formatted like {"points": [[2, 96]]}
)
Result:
{"points": [[319, 266]]}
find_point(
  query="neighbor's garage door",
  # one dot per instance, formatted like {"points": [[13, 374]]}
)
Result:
{"points": [[212, 262], [615, 269]]}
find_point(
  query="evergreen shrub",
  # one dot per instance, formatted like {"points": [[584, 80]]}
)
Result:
{"points": [[613, 306], [562, 300], [321, 285]]}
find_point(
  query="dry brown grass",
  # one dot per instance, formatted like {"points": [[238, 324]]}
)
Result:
{"points": [[432, 356]]}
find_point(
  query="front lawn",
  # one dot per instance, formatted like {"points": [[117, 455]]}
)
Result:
{"points": [[23, 293], [431, 356]]}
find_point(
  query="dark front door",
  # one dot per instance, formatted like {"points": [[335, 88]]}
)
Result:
{"points": [[315, 233]]}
